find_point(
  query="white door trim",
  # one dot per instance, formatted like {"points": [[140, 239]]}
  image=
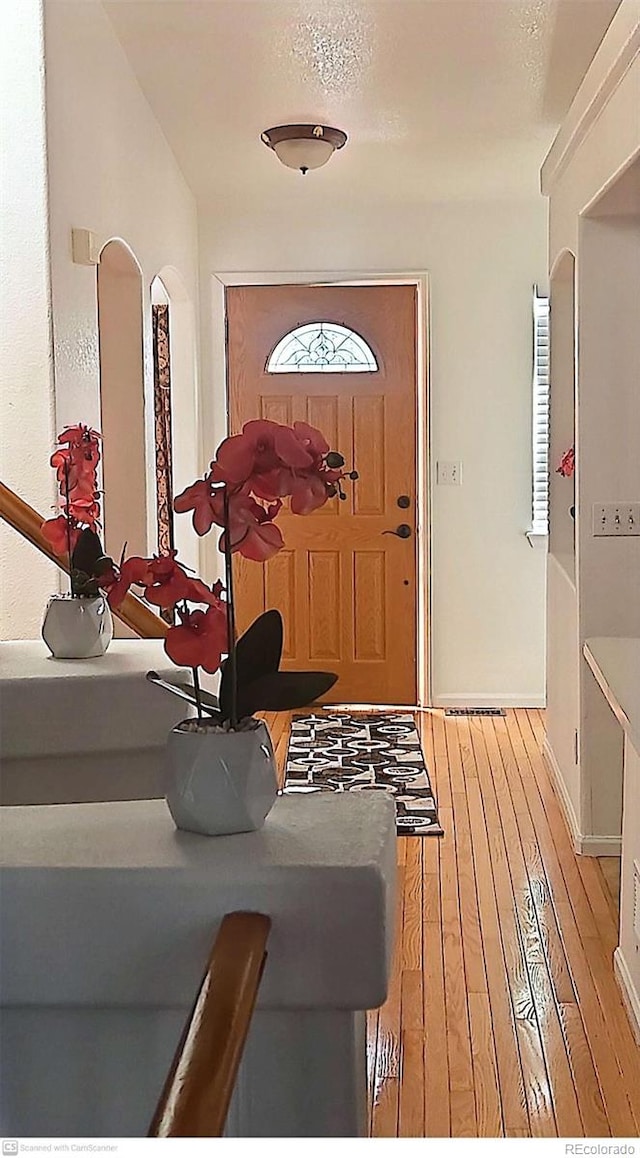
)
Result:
{"points": [[215, 418]]}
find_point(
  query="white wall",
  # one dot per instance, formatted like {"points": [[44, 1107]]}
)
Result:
{"points": [[563, 683], [482, 259], [600, 135], [26, 386], [628, 955], [592, 174], [111, 171]]}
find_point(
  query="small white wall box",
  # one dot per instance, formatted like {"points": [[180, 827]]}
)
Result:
{"points": [[449, 473], [84, 247]]}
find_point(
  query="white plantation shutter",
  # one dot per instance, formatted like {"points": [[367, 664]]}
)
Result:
{"points": [[540, 524]]}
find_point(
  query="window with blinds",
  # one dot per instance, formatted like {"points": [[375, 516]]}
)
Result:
{"points": [[540, 522]]}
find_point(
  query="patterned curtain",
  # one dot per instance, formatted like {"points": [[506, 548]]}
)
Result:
{"points": [[162, 412]]}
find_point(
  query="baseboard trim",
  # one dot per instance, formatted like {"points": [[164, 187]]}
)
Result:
{"points": [[600, 845], [566, 803], [591, 845], [476, 700], [630, 995]]}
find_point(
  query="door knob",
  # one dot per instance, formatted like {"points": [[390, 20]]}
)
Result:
{"points": [[403, 531]]}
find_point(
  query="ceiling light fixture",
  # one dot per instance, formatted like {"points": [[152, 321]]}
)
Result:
{"points": [[304, 147]]}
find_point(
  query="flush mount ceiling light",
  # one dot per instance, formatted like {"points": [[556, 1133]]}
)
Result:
{"points": [[304, 147]]}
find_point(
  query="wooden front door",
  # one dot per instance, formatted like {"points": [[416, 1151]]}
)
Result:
{"points": [[346, 589]]}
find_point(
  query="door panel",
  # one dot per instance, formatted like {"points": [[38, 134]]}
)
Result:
{"points": [[346, 590]]}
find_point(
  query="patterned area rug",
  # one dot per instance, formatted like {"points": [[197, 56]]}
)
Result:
{"points": [[340, 752]]}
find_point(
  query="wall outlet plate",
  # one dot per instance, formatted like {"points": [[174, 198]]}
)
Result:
{"points": [[449, 473], [616, 520]]}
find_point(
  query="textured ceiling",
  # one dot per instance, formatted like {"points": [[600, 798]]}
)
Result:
{"points": [[440, 98]]}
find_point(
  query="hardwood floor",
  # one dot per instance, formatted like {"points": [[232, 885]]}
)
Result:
{"points": [[503, 1015], [610, 866]]}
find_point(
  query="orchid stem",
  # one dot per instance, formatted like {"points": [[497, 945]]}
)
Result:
{"points": [[231, 618], [196, 688], [68, 521]]}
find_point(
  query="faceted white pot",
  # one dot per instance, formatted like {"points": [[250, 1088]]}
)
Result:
{"points": [[219, 783], [77, 627]]}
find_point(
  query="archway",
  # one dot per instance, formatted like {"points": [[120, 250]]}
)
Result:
{"points": [[562, 415], [120, 334]]}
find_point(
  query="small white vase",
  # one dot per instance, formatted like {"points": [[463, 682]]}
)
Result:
{"points": [[77, 627], [218, 783]]}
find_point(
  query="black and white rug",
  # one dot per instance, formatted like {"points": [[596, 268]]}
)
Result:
{"points": [[340, 752]]}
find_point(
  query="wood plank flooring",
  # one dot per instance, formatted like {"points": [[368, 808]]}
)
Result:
{"points": [[503, 1016], [610, 866]]}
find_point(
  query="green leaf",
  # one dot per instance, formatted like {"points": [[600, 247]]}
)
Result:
{"points": [[86, 552], [258, 654], [283, 691]]}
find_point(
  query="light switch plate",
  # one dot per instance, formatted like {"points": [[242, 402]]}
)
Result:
{"points": [[616, 519], [84, 247], [449, 474]]}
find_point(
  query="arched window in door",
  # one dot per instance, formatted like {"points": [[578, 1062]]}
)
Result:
{"points": [[322, 347]]}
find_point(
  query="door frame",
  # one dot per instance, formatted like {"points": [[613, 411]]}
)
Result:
{"points": [[215, 419]]}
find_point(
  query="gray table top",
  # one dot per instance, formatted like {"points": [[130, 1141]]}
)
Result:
{"points": [[107, 904]]}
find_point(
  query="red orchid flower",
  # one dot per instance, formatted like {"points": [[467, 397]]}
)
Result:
{"points": [[84, 487], [316, 481], [290, 449], [58, 534], [199, 499], [243, 492], [275, 484], [313, 441], [74, 469], [235, 460], [310, 491], [75, 462], [261, 542], [117, 581], [170, 584], [252, 531], [567, 463], [84, 510], [61, 460], [79, 434], [85, 458], [82, 458], [261, 448], [200, 640], [285, 480]]}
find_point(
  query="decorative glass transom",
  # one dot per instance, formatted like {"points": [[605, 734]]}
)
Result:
{"points": [[322, 347]]}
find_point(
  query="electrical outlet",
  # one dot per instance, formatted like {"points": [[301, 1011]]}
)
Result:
{"points": [[616, 519], [449, 474]]}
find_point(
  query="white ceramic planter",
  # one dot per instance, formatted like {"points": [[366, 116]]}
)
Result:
{"points": [[76, 627], [219, 783]]}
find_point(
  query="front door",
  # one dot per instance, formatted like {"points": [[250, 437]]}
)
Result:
{"points": [[342, 358]]}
